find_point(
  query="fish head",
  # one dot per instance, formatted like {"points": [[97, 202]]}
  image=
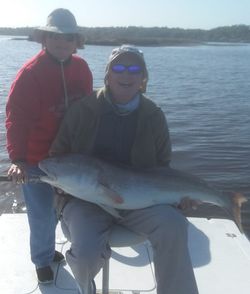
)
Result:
{"points": [[68, 173], [56, 170], [80, 176]]}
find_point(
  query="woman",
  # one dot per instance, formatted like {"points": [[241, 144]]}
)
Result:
{"points": [[118, 123], [42, 90]]}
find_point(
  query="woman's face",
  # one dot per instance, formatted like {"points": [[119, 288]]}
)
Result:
{"points": [[125, 78], [61, 46]]}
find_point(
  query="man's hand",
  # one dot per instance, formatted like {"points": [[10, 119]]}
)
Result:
{"points": [[17, 173], [188, 204]]}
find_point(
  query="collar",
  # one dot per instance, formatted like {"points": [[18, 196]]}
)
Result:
{"points": [[122, 109], [65, 62]]}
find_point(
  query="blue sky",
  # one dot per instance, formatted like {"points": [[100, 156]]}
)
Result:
{"points": [[204, 14]]}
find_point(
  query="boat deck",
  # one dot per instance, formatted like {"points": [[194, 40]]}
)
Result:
{"points": [[220, 256]]}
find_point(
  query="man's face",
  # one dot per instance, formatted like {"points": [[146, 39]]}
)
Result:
{"points": [[125, 84]]}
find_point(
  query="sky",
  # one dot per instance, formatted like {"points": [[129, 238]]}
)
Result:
{"points": [[200, 14]]}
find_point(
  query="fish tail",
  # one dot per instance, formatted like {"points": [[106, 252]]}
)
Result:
{"points": [[237, 201]]}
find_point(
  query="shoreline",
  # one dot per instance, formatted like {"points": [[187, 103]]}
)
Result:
{"points": [[148, 43]]}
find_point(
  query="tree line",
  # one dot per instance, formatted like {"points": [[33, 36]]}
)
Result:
{"points": [[151, 36]]}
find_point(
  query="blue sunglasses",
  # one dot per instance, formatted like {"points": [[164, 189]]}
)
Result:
{"points": [[132, 69]]}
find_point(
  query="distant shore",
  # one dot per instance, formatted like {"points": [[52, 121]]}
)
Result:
{"points": [[149, 36], [151, 43]]}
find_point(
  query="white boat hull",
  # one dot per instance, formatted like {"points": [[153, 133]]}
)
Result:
{"points": [[220, 256]]}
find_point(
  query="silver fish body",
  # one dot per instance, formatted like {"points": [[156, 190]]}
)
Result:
{"points": [[120, 187]]}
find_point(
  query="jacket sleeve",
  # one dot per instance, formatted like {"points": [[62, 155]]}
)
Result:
{"points": [[63, 140], [161, 138], [22, 110], [71, 130]]}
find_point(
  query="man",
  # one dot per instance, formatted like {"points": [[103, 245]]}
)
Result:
{"points": [[43, 89], [118, 123]]}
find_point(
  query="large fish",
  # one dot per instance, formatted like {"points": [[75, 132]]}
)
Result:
{"points": [[114, 186]]}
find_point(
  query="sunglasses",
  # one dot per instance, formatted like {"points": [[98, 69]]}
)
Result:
{"points": [[131, 69], [65, 37]]}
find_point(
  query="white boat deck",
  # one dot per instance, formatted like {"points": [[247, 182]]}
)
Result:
{"points": [[220, 256]]}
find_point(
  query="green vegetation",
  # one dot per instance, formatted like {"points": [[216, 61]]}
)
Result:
{"points": [[154, 36]]}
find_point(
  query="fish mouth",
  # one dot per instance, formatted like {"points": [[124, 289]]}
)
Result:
{"points": [[49, 176]]}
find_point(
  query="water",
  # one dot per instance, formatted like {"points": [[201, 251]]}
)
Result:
{"points": [[204, 93]]}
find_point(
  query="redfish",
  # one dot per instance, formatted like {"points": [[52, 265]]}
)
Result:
{"points": [[119, 187]]}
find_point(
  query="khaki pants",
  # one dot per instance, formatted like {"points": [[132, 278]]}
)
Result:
{"points": [[87, 226]]}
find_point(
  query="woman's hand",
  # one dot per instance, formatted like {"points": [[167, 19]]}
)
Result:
{"points": [[17, 173]]}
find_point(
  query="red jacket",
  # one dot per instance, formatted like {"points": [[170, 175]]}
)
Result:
{"points": [[36, 103]]}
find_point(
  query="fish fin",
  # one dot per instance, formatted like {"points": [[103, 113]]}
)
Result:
{"points": [[112, 195], [110, 210], [108, 191], [238, 200]]}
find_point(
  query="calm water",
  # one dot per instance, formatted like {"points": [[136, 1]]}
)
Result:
{"points": [[204, 92]]}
